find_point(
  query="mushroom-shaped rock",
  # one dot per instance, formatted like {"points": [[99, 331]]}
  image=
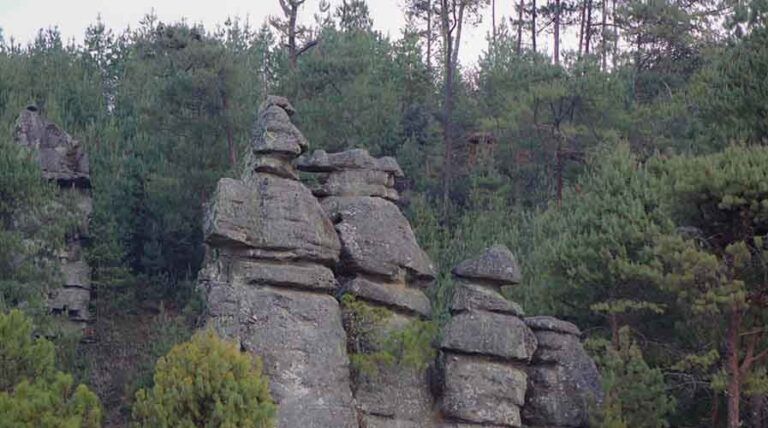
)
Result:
{"points": [[275, 134], [496, 265]]}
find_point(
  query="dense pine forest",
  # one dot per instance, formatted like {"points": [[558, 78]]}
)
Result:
{"points": [[618, 148]]}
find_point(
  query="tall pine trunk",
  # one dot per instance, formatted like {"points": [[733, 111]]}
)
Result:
{"points": [[429, 35], [557, 32], [733, 368], [604, 33], [588, 28], [533, 26], [520, 28]]}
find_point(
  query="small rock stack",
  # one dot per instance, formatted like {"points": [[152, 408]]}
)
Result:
{"points": [[268, 279], [64, 161], [383, 266], [563, 381], [486, 346]]}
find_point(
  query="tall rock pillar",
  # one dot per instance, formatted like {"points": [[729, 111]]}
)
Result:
{"points": [[268, 279], [485, 347], [386, 271], [63, 160]]}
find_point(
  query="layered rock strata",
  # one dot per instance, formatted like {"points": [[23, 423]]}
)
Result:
{"points": [[383, 267], [485, 347], [63, 160], [563, 381], [268, 279]]}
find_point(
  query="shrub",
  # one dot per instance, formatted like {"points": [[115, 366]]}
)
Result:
{"points": [[206, 382]]}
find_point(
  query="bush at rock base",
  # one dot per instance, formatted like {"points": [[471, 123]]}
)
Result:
{"points": [[206, 382]]}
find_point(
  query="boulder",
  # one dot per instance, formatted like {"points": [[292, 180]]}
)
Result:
{"points": [[377, 239], [468, 296], [361, 182], [274, 133], [482, 391], [546, 323], [563, 381], [397, 296], [487, 333], [496, 265], [273, 218], [355, 159]]}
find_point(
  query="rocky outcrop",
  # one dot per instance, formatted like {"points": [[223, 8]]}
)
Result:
{"points": [[563, 381], [63, 160], [281, 255], [268, 279], [386, 271], [485, 346]]}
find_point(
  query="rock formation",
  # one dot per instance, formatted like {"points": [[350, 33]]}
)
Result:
{"points": [[280, 257], [63, 160], [383, 267], [563, 380], [486, 346], [268, 279]]}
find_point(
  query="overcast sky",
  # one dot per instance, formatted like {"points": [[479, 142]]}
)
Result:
{"points": [[21, 19]]}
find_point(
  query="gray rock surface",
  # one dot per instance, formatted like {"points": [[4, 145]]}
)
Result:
{"points": [[273, 218], [487, 333], [495, 265], [545, 323], [382, 265], [483, 391], [563, 380], [396, 393], [352, 173], [377, 239], [468, 296], [392, 295], [61, 157], [267, 278]]}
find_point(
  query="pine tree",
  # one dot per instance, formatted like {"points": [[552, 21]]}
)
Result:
{"points": [[32, 392], [206, 382]]}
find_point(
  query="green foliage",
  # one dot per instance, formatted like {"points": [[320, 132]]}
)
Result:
{"points": [[732, 89], [635, 393], [32, 392], [22, 357], [206, 382], [52, 403], [597, 246], [374, 343], [32, 227]]}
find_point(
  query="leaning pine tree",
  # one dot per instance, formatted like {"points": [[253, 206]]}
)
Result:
{"points": [[206, 382]]}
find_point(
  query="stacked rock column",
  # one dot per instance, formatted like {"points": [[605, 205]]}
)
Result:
{"points": [[386, 271], [486, 346], [564, 383], [63, 160], [268, 279]]}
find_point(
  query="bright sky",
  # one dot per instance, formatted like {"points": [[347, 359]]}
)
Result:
{"points": [[21, 19]]}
